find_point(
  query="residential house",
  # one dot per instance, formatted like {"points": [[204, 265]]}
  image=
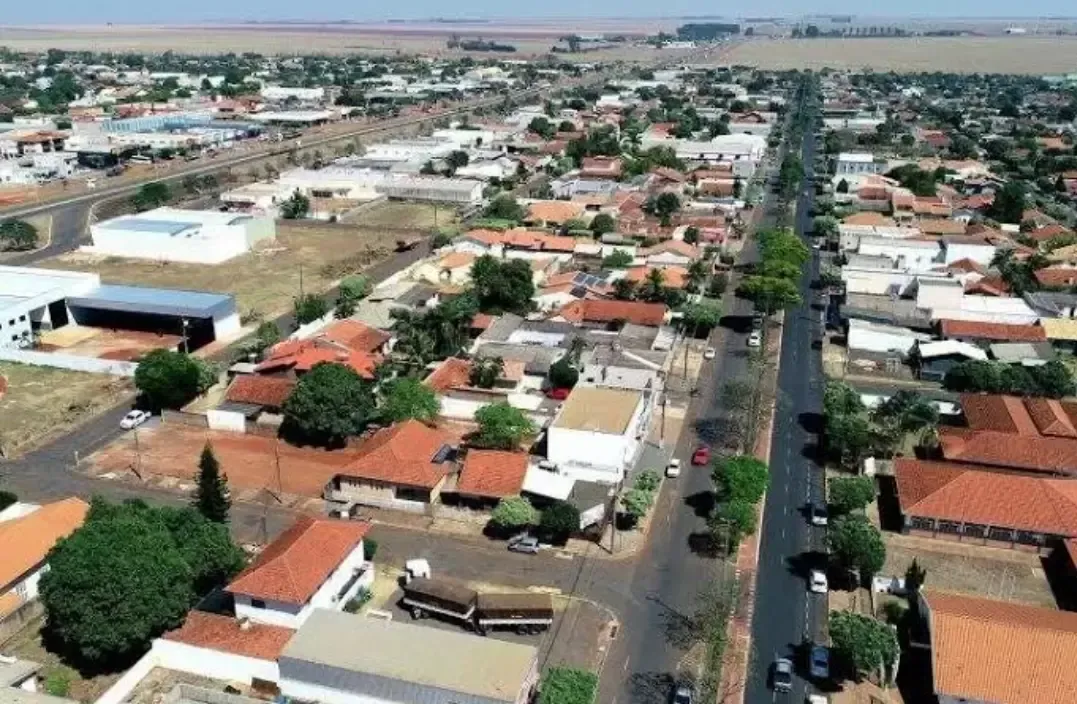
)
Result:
{"points": [[487, 476], [564, 288], [984, 334], [453, 269], [970, 247], [671, 253], [607, 314], [672, 276], [856, 163], [348, 342], [934, 359], [317, 563], [459, 399], [601, 167], [27, 534], [404, 466], [598, 432], [252, 398], [1025, 354], [552, 213], [517, 244]]}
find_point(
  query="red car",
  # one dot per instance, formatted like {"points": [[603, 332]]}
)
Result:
{"points": [[702, 455], [558, 394]]}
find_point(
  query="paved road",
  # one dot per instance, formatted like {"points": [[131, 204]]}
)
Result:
{"points": [[785, 613]]}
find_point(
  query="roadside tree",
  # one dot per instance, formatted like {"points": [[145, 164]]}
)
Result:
{"points": [[514, 513], [212, 498], [848, 494], [167, 379], [861, 643], [857, 545]]}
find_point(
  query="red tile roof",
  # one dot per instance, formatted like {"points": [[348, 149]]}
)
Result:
{"points": [[355, 335], [450, 374], [268, 391], [492, 474], [1049, 232], [672, 276], [971, 329], [402, 454], [226, 635], [962, 493], [597, 311], [1057, 276], [294, 566], [344, 341]]}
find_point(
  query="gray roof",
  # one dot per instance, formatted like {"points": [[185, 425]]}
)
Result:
{"points": [[158, 301], [501, 328], [342, 645], [1018, 352], [537, 360], [1052, 303]]}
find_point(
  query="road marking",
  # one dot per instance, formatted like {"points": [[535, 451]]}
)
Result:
{"points": [[625, 668]]}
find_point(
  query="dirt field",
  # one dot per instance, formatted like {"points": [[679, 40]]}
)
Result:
{"points": [[106, 344], [267, 279], [1026, 55], [41, 402], [396, 214], [994, 573]]}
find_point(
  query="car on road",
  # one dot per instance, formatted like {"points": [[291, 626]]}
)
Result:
{"points": [[558, 394], [709, 353], [781, 675], [701, 456], [673, 469], [817, 582], [527, 544], [682, 694], [755, 339], [819, 662], [134, 419], [757, 321], [819, 515]]}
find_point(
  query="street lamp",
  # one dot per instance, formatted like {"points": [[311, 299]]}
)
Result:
{"points": [[186, 323]]}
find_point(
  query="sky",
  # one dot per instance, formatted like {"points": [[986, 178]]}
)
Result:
{"points": [[181, 11]]}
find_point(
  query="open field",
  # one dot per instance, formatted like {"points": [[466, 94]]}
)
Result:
{"points": [[396, 214], [1025, 55], [42, 402], [267, 279]]}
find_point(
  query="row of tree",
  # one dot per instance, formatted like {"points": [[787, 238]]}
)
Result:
{"points": [[773, 285], [1052, 380]]}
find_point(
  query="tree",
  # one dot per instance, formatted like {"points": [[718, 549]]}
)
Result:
{"points": [[848, 438], [344, 307], [842, 187], [849, 494], [167, 379], [691, 234], [663, 206], [701, 316], [542, 127], [485, 372], [266, 335], [915, 576], [653, 288], [617, 259], [906, 412], [330, 403], [636, 503], [407, 397], [1009, 204], [562, 374], [623, 289], [824, 225], [309, 307], [502, 286], [769, 295], [560, 520], [17, 236], [513, 513], [504, 207], [602, 224], [566, 685], [861, 643], [733, 521], [741, 478], [856, 544], [841, 399], [151, 195], [296, 207], [501, 427], [357, 287], [212, 498]]}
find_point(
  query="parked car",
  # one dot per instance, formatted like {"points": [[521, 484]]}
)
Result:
{"points": [[681, 694], [817, 583], [701, 456], [819, 662], [524, 543], [819, 515], [755, 339], [757, 321], [673, 469], [781, 676], [709, 353], [558, 394], [134, 419]]}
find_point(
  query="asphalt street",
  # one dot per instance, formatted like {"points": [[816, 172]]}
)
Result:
{"points": [[786, 614]]}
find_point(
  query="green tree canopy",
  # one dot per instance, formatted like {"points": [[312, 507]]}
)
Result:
{"points": [[504, 207], [407, 397], [840, 399], [861, 643], [602, 224], [211, 498], [856, 544], [168, 379], [1010, 203], [617, 259], [296, 207], [330, 403], [701, 316], [849, 494], [309, 307], [848, 438], [485, 372], [769, 295], [513, 513], [1052, 380], [562, 374], [559, 520], [740, 478], [542, 127], [501, 427], [566, 685], [502, 286], [17, 236]]}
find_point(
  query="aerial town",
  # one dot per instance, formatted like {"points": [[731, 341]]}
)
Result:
{"points": [[619, 372]]}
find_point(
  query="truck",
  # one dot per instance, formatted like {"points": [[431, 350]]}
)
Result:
{"points": [[524, 612], [407, 243]]}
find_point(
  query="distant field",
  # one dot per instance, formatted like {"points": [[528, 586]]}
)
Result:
{"points": [[1024, 55]]}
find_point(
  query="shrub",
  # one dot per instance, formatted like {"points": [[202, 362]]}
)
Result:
{"points": [[567, 685], [370, 549], [357, 602]]}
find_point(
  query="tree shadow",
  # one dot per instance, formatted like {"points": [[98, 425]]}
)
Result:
{"points": [[650, 687], [702, 503], [736, 323], [813, 452], [702, 544], [811, 422], [803, 563]]}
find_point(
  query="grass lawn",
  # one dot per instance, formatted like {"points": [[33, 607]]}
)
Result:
{"points": [[41, 401], [263, 281]]}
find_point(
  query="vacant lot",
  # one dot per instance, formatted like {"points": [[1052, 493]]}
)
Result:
{"points": [[987, 572], [1027, 55], [264, 281], [41, 402], [27, 645], [396, 214]]}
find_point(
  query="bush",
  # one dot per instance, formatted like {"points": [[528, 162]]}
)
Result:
{"points": [[357, 602], [559, 521], [562, 374], [648, 480], [309, 307], [370, 549], [58, 683], [17, 236], [513, 513], [567, 685]]}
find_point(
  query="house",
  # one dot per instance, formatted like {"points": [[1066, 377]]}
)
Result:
{"points": [[251, 397], [604, 314], [982, 334], [404, 466], [26, 537], [968, 247], [459, 399], [347, 342], [1057, 276], [935, 359], [999, 651], [857, 163], [598, 432], [672, 276], [602, 167], [453, 269], [671, 253], [1030, 435], [317, 563], [349, 658], [1026, 354], [488, 476], [552, 213], [955, 501]]}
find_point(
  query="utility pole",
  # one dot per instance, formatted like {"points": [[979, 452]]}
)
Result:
{"points": [[138, 456]]}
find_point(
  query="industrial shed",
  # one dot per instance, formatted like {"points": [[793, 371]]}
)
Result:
{"points": [[434, 190]]}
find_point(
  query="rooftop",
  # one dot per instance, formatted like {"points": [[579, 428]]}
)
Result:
{"points": [[598, 410], [443, 659], [25, 541], [160, 301], [971, 329], [492, 474], [408, 453], [227, 635]]}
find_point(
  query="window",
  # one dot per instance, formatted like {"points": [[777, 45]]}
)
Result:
{"points": [[258, 603]]}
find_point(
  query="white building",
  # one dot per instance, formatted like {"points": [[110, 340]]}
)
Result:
{"points": [[172, 235], [598, 433], [856, 163], [977, 249], [282, 93], [903, 252], [431, 189], [878, 338], [315, 564], [333, 182], [31, 298]]}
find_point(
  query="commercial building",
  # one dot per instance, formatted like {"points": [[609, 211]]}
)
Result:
{"points": [[857, 163], [172, 235], [453, 191], [599, 432]]}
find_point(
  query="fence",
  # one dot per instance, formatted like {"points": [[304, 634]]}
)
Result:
{"points": [[17, 619], [193, 420], [90, 365]]}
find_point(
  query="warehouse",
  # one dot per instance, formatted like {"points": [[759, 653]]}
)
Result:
{"points": [[171, 235], [433, 190], [341, 658]]}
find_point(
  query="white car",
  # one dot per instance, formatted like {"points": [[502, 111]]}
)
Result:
{"points": [[674, 468], [708, 353], [819, 516], [134, 419], [755, 339], [817, 582]]}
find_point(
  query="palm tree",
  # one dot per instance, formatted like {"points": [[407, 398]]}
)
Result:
{"points": [[652, 289], [697, 273]]}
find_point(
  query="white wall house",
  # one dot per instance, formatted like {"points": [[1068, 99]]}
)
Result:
{"points": [[977, 249], [856, 163], [598, 433], [903, 252], [281, 93], [172, 235], [325, 562]]}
